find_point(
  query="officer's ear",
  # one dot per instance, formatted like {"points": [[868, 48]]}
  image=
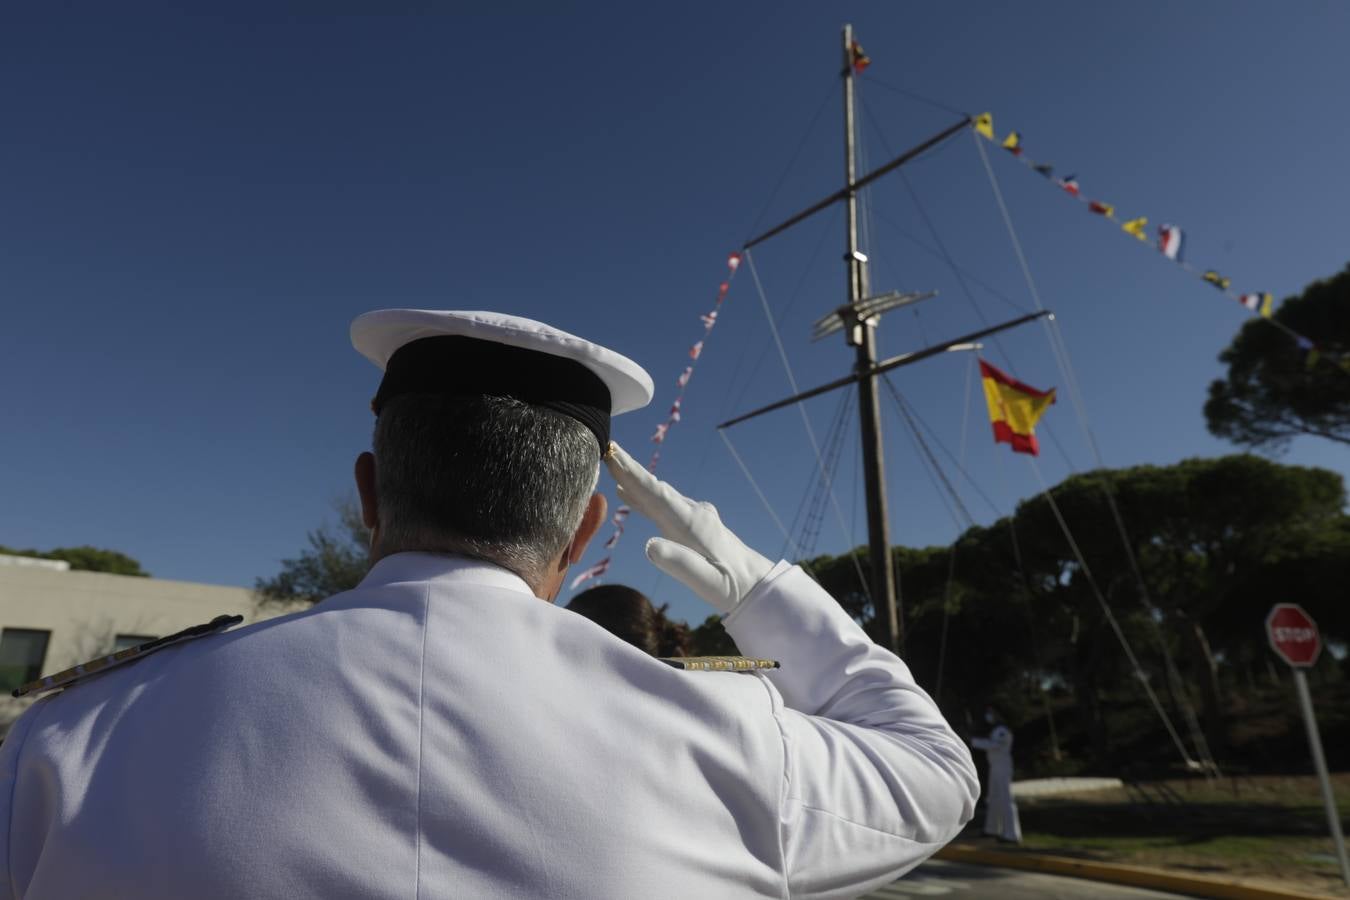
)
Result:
{"points": [[365, 487], [594, 517]]}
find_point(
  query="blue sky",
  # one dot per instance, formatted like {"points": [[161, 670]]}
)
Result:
{"points": [[193, 207]]}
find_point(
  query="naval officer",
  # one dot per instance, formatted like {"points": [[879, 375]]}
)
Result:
{"points": [[444, 731], [1000, 806]]}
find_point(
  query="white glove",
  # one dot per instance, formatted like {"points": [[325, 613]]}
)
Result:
{"points": [[697, 549]]}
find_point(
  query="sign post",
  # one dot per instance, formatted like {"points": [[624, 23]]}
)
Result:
{"points": [[1293, 635]]}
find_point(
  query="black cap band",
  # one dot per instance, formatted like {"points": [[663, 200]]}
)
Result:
{"points": [[458, 366]]}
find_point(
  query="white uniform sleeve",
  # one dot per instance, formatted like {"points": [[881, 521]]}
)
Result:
{"points": [[876, 781], [14, 873]]}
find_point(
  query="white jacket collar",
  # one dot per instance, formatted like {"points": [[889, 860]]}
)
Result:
{"points": [[404, 567]]}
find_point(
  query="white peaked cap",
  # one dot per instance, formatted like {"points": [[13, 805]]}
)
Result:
{"points": [[377, 335]]}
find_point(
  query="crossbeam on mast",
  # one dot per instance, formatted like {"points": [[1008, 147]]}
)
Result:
{"points": [[904, 359], [843, 193]]}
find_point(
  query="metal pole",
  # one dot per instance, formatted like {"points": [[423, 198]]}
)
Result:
{"points": [[1320, 763], [862, 334]]}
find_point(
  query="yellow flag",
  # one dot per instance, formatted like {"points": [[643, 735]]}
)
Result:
{"points": [[1219, 281], [1013, 142], [984, 126], [1137, 228]]}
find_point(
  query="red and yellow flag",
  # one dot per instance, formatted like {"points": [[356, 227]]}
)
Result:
{"points": [[1014, 409], [860, 59]]}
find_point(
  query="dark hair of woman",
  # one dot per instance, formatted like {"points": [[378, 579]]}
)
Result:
{"points": [[628, 614]]}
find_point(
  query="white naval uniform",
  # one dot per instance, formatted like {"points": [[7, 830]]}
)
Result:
{"points": [[1000, 809], [440, 732]]}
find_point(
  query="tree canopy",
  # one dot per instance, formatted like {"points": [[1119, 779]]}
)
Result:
{"points": [[335, 561], [88, 559], [1216, 541], [1273, 390]]}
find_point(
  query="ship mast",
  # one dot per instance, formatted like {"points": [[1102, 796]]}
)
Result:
{"points": [[860, 333], [858, 319]]}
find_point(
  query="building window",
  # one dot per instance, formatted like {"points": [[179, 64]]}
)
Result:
{"points": [[22, 652], [123, 641]]}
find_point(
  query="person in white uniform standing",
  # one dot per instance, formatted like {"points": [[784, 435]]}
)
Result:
{"points": [[1000, 807], [444, 731]]}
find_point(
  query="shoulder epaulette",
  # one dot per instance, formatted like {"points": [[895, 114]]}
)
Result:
{"points": [[103, 663], [718, 663]]}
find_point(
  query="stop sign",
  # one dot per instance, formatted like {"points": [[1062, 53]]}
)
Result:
{"points": [[1293, 634]]}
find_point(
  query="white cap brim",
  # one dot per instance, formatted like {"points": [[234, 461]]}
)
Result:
{"points": [[376, 335]]}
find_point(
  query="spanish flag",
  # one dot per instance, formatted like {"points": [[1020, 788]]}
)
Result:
{"points": [[1014, 409], [860, 59]]}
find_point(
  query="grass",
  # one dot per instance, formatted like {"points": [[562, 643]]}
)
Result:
{"points": [[1259, 828]]}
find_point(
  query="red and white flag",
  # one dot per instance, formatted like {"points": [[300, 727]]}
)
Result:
{"points": [[1169, 241], [1070, 184], [734, 261], [695, 350], [619, 515], [660, 432], [656, 458], [594, 571], [684, 376], [1261, 303], [709, 320], [614, 539], [675, 410]]}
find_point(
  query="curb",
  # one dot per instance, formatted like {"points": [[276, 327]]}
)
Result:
{"points": [[1133, 876]]}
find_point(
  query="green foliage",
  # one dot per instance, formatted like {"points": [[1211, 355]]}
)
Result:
{"points": [[1217, 542], [711, 639], [1270, 393], [335, 561], [88, 559]]}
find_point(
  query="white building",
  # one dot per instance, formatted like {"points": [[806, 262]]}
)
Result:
{"points": [[52, 618]]}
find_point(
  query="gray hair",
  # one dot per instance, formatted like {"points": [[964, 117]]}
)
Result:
{"points": [[487, 477]]}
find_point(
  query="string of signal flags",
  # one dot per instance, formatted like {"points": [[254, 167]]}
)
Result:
{"points": [[1169, 240], [709, 322], [1014, 407]]}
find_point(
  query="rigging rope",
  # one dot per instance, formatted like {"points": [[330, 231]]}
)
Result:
{"points": [[815, 512], [1065, 364], [731, 401], [958, 273], [792, 161], [968, 522], [755, 484], [965, 519], [1110, 617], [806, 421], [1017, 559], [951, 564], [936, 104]]}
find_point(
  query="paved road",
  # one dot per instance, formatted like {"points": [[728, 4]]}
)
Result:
{"points": [[938, 878]]}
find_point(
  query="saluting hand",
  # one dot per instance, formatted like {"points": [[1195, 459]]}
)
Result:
{"points": [[696, 548]]}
